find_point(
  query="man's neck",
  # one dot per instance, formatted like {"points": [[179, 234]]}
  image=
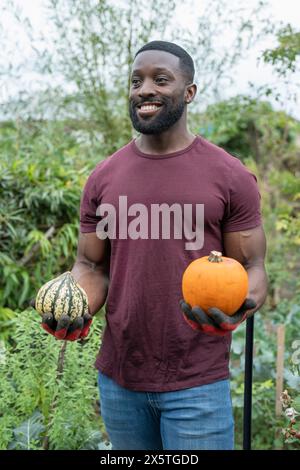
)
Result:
{"points": [[164, 143]]}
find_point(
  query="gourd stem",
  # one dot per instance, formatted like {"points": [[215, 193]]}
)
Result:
{"points": [[215, 257]]}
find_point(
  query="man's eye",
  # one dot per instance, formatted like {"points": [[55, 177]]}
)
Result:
{"points": [[134, 81], [162, 78]]}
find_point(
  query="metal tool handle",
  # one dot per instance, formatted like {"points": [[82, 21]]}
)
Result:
{"points": [[248, 384]]}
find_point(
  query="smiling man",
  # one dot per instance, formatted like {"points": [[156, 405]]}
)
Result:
{"points": [[163, 366], [161, 119]]}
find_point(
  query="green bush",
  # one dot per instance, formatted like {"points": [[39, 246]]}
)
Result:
{"points": [[37, 402]]}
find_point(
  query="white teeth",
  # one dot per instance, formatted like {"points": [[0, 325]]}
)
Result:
{"points": [[148, 107]]}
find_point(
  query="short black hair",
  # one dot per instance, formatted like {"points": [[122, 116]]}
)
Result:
{"points": [[186, 62]]}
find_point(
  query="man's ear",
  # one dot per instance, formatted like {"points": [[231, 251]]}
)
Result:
{"points": [[190, 92]]}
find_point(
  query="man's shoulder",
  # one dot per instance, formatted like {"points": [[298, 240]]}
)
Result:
{"points": [[223, 163], [219, 153], [110, 161]]}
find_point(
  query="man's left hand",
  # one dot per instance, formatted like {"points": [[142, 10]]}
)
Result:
{"points": [[217, 323]]}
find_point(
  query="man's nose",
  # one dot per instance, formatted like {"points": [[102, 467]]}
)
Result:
{"points": [[147, 88]]}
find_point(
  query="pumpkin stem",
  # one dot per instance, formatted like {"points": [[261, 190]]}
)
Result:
{"points": [[215, 257]]}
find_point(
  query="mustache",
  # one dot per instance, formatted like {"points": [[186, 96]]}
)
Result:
{"points": [[140, 103]]}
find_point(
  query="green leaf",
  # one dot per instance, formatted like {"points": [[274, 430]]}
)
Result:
{"points": [[30, 431]]}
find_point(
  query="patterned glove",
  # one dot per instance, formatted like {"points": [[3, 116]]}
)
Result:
{"points": [[64, 328], [217, 323]]}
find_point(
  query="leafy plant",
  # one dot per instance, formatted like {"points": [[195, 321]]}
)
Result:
{"points": [[29, 388]]}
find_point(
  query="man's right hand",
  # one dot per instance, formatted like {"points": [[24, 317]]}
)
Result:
{"points": [[64, 328]]}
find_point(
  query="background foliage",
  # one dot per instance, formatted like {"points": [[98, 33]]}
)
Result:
{"points": [[49, 142]]}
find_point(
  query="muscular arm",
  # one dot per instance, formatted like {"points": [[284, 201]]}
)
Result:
{"points": [[91, 269], [249, 248]]}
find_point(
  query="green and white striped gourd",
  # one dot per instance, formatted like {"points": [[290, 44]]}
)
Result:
{"points": [[62, 296]]}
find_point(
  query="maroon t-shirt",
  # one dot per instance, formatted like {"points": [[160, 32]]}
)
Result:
{"points": [[147, 345]]}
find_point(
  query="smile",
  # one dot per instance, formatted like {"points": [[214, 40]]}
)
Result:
{"points": [[148, 110]]}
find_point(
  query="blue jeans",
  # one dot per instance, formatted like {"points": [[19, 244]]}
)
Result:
{"points": [[196, 418]]}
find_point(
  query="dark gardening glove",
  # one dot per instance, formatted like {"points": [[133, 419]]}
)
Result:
{"points": [[65, 328], [217, 323]]}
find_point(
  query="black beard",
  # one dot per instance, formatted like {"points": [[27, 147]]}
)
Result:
{"points": [[167, 117]]}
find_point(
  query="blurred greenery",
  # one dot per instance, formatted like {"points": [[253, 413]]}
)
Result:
{"points": [[49, 145], [285, 56]]}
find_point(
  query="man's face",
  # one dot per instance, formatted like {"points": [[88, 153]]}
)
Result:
{"points": [[156, 78]]}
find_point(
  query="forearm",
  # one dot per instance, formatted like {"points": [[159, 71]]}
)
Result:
{"points": [[258, 285], [94, 280]]}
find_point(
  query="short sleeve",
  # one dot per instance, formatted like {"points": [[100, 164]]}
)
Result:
{"points": [[88, 205], [243, 208]]}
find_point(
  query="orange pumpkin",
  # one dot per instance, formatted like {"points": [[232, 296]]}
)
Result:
{"points": [[215, 281]]}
